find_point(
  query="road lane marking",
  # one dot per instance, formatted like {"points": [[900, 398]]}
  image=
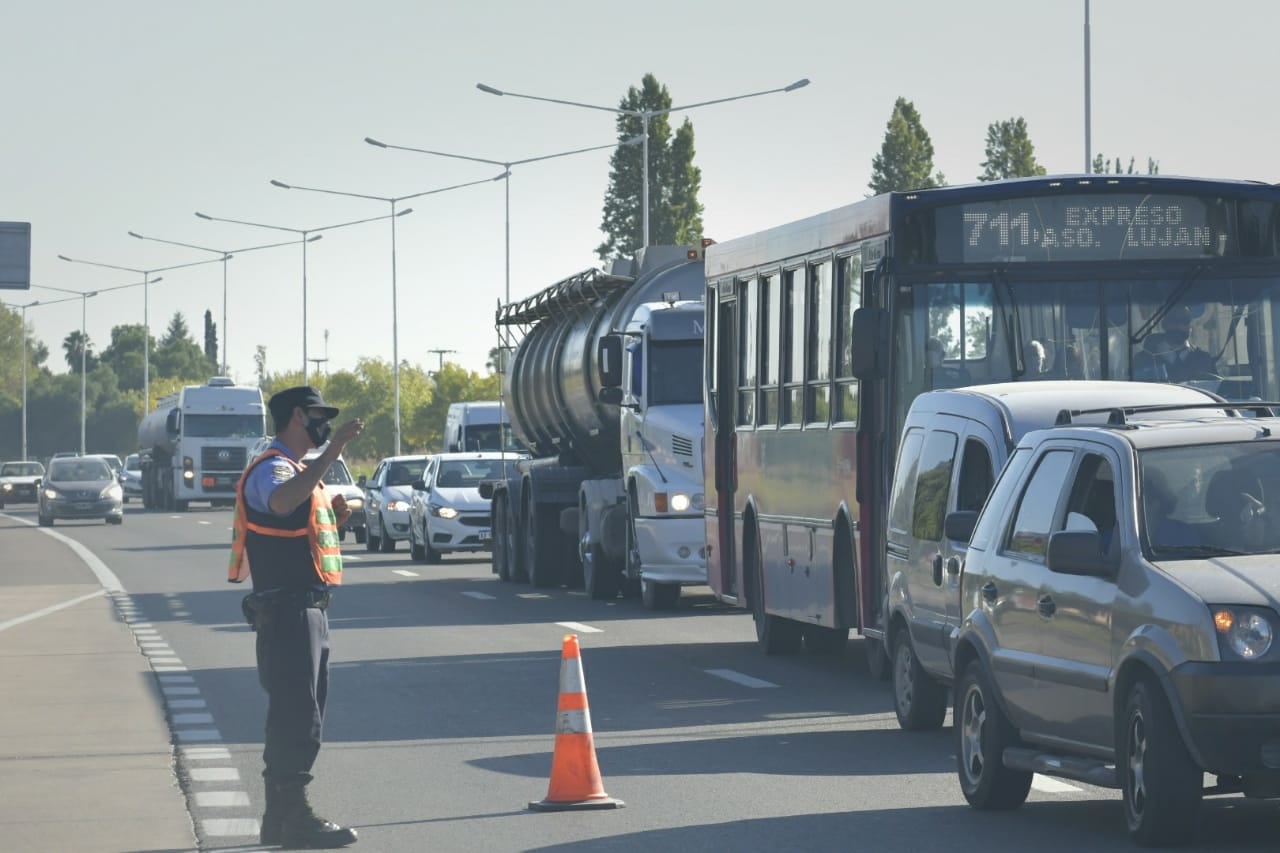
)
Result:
{"points": [[532, 595], [352, 557], [221, 799], [206, 753], [169, 668], [204, 522], [194, 735], [175, 679], [739, 678], [230, 827], [215, 774], [1049, 785], [580, 628], [480, 596], [192, 719], [54, 608], [404, 572], [180, 691], [182, 614], [187, 704]]}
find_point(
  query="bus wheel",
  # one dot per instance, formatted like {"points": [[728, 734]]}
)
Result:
{"points": [[774, 635]]}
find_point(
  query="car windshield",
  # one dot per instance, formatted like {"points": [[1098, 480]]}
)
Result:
{"points": [[133, 462], [1211, 499], [21, 469], [466, 473], [404, 471], [113, 462], [337, 475], [78, 471]]}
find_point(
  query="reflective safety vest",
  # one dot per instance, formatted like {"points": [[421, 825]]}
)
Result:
{"points": [[320, 528]]}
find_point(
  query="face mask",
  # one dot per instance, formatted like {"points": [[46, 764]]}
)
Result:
{"points": [[319, 430]]}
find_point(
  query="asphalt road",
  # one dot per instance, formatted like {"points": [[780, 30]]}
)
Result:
{"points": [[441, 718]]}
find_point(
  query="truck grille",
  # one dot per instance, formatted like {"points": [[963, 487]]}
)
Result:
{"points": [[681, 446], [223, 458]]}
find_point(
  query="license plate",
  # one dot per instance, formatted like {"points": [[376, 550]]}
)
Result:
{"points": [[83, 506], [485, 535]]}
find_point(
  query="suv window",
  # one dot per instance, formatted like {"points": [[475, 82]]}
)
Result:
{"points": [[932, 485], [1008, 480], [1029, 536], [904, 485]]}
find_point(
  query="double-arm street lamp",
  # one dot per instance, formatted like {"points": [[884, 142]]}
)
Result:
{"points": [[24, 363], [644, 116], [395, 326], [305, 237], [227, 254], [506, 166], [147, 281]]}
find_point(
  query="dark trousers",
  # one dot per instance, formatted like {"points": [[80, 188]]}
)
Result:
{"points": [[293, 667]]}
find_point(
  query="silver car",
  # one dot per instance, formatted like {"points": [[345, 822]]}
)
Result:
{"points": [[80, 487], [447, 513], [20, 481], [1121, 601]]}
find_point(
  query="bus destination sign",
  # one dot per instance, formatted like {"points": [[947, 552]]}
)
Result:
{"points": [[1084, 227]]}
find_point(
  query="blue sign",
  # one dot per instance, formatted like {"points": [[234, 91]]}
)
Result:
{"points": [[15, 255]]}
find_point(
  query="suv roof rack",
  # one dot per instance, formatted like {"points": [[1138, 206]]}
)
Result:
{"points": [[1118, 415]]}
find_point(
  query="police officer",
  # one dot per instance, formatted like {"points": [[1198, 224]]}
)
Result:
{"points": [[286, 538]]}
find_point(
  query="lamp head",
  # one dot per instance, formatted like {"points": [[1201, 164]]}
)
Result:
{"points": [[313, 239], [137, 235], [489, 89], [281, 184], [372, 141], [157, 278], [203, 215], [799, 84], [65, 258], [404, 212]]}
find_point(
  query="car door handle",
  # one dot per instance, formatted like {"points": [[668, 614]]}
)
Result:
{"points": [[937, 570], [989, 591], [1046, 605]]}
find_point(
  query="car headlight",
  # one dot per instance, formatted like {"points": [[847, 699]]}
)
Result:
{"points": [[8, 487], [355, 503], [398, 506], [52, 494], [442, 511], [1246, 631], [112, 491]]}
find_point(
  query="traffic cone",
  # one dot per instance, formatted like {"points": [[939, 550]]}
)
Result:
{"points": [[575, 776]]}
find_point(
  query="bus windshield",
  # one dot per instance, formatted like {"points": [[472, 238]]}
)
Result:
{"points": [[1219, 333]]}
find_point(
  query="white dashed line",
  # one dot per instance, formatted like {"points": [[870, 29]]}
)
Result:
{"points": [[175, 516], [180, 691], [580, 628], [532, 595], [186, 704], [482, 596], [204, 522], [175, 679], [739, 678], [221, 799], [405, 572], [206, 753], [352, 557], [197, 735], [182, 613], [215, 774], [1049, 785], [228, 827], [192, 719], [167, 661], [175, 668]]}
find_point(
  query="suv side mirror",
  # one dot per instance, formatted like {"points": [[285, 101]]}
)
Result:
{"points": [[1079, 552], [609, 357], [958, 526], [361, 480], [173, 422], [419, 486]]}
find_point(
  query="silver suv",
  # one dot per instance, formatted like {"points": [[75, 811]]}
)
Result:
{"points": [[1120, 600]]}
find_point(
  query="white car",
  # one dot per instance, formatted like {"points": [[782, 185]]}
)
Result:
{"points": [[338, 481], [131, 477], [20, 481], [447, 513], [387, 495]]}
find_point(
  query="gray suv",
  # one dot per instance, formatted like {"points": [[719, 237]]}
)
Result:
{"points": [[1120, 599]]}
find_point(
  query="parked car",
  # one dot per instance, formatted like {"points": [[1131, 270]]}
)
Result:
{"points": [[19, 481], [337, 481], [953, 444], [446, 512], [76, 487], [1120, 608], [131, 477], [387, 494]]}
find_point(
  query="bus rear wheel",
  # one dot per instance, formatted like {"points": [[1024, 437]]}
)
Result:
{"points": [[774, 635]]}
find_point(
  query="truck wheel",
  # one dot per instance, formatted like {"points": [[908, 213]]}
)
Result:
{"points": [[918, 700], [821, 640], [774, 635], [659, 596], [501, 547], [1162, 785], [984, 732], [600, 575], [542, 554]]}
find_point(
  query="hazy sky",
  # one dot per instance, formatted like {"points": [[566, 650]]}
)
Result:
{"points": [[126, 116]]}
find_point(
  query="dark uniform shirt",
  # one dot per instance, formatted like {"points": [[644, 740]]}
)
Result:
{"points": [[277, 562]]}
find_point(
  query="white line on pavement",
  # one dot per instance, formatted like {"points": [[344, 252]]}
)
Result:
{"points": [[532, 595], [187, 704], [206, 753], [229, 827], [739, 678], [221, 799], [180, 691], [215, 774], [1049, 785], [580, 628], [175, 516], [47, 610], [482, 596], [193, 735], [352, 557], [192, 719], [404, 572]]}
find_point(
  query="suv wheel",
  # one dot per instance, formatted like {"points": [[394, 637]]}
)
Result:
{"points": [[984, 732], [1162, 785], [918, 700]]}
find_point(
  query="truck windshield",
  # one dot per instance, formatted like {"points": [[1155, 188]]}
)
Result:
{"points": [[1210, 499], [671, 381], [223, 426]]}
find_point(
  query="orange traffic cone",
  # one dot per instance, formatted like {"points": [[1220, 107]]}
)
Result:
{"points": [[575, 776]]}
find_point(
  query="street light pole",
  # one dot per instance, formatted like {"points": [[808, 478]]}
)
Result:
{"points": [[395, 323], [227, 254], [147, 281], [506, 175], [644, 116], [24, 363], [1088, 110], [305, 235]]}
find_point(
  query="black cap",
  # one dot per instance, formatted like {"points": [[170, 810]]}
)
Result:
{"points": [[284, 402]]}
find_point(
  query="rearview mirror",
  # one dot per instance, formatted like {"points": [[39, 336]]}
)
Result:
{"points": [[609, 357], [1079, 552], [958, 526], [361, 480], [867, 325], [610, 395]]}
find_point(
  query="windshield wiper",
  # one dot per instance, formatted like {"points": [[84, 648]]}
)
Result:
{"points": [[1014, 334], [1165, 307], [1198, 550]]}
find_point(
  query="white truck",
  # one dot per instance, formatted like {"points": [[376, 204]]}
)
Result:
{"points": [[477, 425], [604, 389], [196, 443]]}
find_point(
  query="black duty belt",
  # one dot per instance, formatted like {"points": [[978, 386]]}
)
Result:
{"points": [[260, 607]]}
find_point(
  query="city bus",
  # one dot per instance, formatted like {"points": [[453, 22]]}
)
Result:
{"points": [[821, 332]]}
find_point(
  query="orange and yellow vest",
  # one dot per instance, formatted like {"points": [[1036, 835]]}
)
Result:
{"points": [[320, 528]]}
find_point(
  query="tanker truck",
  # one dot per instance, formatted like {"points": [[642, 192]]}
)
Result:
{"points": [[197, 442], [604, 388]]}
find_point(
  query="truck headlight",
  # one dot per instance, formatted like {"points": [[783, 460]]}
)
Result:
{"points": [[1246, 631], [680, 502], [442, 511]]}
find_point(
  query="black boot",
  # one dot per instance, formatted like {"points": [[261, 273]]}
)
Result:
{"points": [[303, 828], [273, 817]]}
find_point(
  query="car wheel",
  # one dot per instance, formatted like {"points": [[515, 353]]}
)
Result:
{"points": [[370, 540], [115, 519], [416, 552], [659, 596], [774, 635], [385, 543], [984, 732], [181, 506], [918, 700], [361, 535], [1162, 784], [433, 556]]}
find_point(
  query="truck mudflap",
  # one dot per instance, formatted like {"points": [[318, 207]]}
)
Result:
{"points": [[672, 549]]}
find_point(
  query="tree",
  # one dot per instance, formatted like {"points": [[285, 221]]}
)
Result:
{"points": [[72, 345], [260, 365], [124, 355], [211, 340], [675, 214], [1104, 166], [1010, 153], [178, 356], [905, 161]]}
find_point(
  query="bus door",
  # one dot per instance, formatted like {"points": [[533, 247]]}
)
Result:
{"points": [[726, 440]]}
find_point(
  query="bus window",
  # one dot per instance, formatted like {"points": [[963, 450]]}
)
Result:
{"points": [[771, 334], [849, 294], [747, 353], [818, 392], [793, 347]]}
